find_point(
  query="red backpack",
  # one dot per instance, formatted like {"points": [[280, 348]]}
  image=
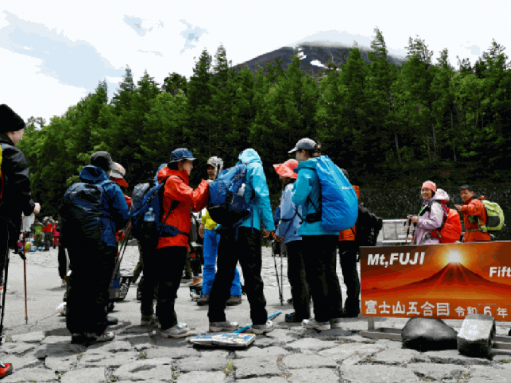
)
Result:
{"points": [[450, 231]]}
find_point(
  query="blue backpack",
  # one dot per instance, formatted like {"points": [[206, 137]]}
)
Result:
{"points": [[227, 205], [339, 202], [81, 214], [148, 233]]}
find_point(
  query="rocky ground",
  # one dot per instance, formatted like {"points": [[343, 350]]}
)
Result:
{"points": [[288, 354]]}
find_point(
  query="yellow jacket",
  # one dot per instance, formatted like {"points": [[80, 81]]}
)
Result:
{"points": [[208, 223]]}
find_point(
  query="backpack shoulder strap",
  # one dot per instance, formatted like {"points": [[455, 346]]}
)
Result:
{"points": [[174, 204]]}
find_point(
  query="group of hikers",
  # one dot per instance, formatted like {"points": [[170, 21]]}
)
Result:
{"points": [[95, 213]]}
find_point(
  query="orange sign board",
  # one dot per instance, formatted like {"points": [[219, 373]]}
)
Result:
{"points": [[437, 281]]}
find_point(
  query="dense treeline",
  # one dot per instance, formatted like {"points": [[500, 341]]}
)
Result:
{"points": [[387, 125]]}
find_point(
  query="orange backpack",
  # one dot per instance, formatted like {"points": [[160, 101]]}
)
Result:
{"points": [[450, 231]]}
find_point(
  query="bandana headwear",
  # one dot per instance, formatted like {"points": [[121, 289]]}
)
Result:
{"points": [[430, 185], [286, 169]]}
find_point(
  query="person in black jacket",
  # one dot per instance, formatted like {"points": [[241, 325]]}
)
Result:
{"points": [[15, 191]]}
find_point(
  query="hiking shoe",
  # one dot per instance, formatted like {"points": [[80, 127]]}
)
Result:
{"points": [[78, 338], [234, 300], [196, 282], [111, 321], [5, 369], [223, 326], [336, 323], [105, 337], [311, 323], [63, 284], [203, 301], [261, 328], [290, 301], [178, 331], [293, 318], [149, 320]]}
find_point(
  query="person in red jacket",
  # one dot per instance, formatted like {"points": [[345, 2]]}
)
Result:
{"points": [[48, 233], [472, 209], [348, 250], [169, 260], [56, 235]]}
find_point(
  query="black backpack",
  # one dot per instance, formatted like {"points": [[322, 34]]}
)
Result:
{"points": [[368, 226]]}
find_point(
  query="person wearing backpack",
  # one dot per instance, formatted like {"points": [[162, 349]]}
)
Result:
{"points": [[38, 234], [473, 210], [91, 212], [287, 231], [15, 195], [178, 199], [48, 233], [242, 242], [431, 216], [211, 240], [319, 245], [348, 249]]}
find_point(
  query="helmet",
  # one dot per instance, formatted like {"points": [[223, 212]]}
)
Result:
{"points": [[181, 154], [215, 161]]}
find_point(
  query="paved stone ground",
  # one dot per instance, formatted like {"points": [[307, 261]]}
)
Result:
{"points": [[288, 354]]}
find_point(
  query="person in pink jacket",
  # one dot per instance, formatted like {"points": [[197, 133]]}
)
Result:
{"points": [[432, 214], [56, 235]]}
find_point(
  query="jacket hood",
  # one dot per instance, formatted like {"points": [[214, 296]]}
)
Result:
{"points": [[93, 174], [440, 195], [309, 164], [249, 155], [166, 172]]}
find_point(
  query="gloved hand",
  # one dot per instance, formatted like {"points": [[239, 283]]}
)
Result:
{"points": [[21, 253]]}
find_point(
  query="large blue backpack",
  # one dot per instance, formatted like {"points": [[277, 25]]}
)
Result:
{"points": [[148, 233], [227, 205], [81, 214], [339, 202]]}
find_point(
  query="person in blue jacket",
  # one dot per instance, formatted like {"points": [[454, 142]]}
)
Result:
{"points": [[318, 244], [287, 231], [86, 301], [243, 243]]}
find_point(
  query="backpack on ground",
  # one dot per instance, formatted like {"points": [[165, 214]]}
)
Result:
{"points": [[81, 214], [450, 231], [368, 227], [148, 233], [227, 205], [338, 201], [495, 218]]}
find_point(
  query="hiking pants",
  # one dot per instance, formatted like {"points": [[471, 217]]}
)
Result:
{"points": [[211, 239], [244, 245], [38, 241], [149, 281], [4, 249], [62, 258], [87, 299], [56, 240], [298, 280], [348, 259], [319, 253], [169, 270], [140, 265], [48, 240]]}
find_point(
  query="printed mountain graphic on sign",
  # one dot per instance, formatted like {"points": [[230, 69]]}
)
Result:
{"points": [[454, 280]]}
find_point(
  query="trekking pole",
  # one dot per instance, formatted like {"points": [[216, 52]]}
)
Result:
{"points": [[124, 245], [281, 277], [250, 325], [408, 231], [277, 274], [25, 277], [6, 271]]}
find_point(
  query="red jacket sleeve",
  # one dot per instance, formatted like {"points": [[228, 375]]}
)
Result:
{"points": [[177, 190], [474, 208]]}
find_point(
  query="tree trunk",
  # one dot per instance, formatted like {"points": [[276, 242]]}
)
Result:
{"points": [[429, 150], [397, 149]]}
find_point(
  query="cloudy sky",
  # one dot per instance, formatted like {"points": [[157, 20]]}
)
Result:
{"points": [[52, 53]]}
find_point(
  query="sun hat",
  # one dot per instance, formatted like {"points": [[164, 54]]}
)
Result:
{"points": [[286, 169]]}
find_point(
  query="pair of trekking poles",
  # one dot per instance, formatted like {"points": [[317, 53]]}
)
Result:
{"points": [[280, 281]]}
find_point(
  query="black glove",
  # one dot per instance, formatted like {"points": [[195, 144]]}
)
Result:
{"points": [[21, 253]]}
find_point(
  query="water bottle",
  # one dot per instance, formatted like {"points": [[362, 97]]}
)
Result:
{"points": [[241, 190], [149, 216]]}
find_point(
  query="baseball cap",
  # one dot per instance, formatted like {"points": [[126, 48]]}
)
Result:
{"points": [[181, 154], [304, 143], [102, 160]]}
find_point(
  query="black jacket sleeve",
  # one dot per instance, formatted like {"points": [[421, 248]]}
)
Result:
{"points": [[16, 176]]}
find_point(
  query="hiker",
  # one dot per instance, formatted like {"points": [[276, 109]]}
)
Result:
{"points": [[318, 244], [210, 246], [472, 209], [289, 224], [243, 243], [91, 252], [348, 249], [56, 235], [15, 195], [61, 256], [38, 234], [48, 233], [178, 199], [431, 215]]}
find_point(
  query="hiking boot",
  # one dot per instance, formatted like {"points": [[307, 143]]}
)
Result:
{"points": [[223, 326], [111, 321], [78, 338], [261, 328], [311, 323], [293, 318], [178, 331], [336, 323], [149, 320], [290, 301], [105, 337], [234, 300], [5, 369], [196, 282], [203, 301], [350, 313], [63, 284]]}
